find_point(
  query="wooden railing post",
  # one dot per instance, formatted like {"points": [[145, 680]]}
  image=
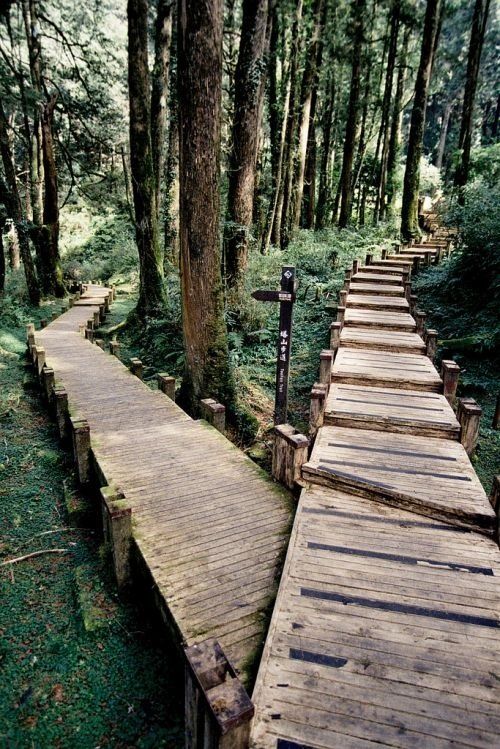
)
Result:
{"points": [[117, 529], [431, 339], [416, 264], [214, 413], [114, 348], [450, 372], [136, 367], [355, 267], [428, 258], [495, 503], [342, 298], [290, 451], [420, 318], [369, 258], [48, 382], [218, 710], [89, 334], [413, 303], [325, 367], [60, 397], [341, 314], [408, 291], [469, 415], [81, 447], [167, 385], [319, 393], [335, 331], [347, 280], [384, 254]]}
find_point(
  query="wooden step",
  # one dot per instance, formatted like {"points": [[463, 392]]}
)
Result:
{"points": [[382, 266], [389, 303], [432, 477], [379, 319], [380, 277], [383, 340], [394, 265], [390, 409], [385, 369], [383, 289]]}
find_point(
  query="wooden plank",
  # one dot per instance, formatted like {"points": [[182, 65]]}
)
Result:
{"points": [[377, 302], [382, 340], [385, 368], [381, 320]]}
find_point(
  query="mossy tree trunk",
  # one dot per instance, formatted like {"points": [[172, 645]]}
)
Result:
{"points": [[479, 20], [151, 293], [346, 178], [249, 84], [10, 197], [396, 121], [409, 212], [159, 93], [207, 369]]}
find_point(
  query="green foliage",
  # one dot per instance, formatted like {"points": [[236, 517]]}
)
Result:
{"points": [[430, 177]]}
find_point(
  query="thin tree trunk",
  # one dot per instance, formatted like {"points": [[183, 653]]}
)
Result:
{"points": [[327, 126], [346, 181], [207, 368], [32, 30], [151, 294], [172, 187], [248, 103], [396, 122], [308, 93], [159, 94], [309, 198], [409, 213], [448, 108], [479, 20]]}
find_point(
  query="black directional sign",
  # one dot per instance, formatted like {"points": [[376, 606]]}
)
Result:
{"points": [[286, 298]]}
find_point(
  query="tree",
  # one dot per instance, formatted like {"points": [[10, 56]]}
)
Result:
{"points": [[159, 93], [479, 20], [151, 293], [248, 103], [207, 369], [346, 181], [430, 37]]}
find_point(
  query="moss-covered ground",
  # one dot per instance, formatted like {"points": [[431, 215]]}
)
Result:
{"points": [[81, 666]]}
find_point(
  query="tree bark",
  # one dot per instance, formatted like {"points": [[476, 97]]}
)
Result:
{"points": [[396, 121], [151, 293], [448, 108], [479, 20], [248, 103], [159, 94], [409, 213], [326, 146], [346, 181], [32, 30], [9, 195], [207, 368]]}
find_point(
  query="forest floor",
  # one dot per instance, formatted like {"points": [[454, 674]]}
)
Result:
{"points": [[81, 666]]}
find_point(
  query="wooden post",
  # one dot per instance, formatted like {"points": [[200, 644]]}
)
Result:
{"points": [[136, 367], [325, 367], [89, 334], [408, 291], [450, 372], [101, 343], [439, 255], [469, 416], [71, 301], [347, 280], [335, 331], [495, 494], [413, 303], [416, 264], [214, 413], [113, 293], [428, 258], [319, 393], [355, 267], [114, 348], [54, 316], [167, 385], [420, 320], [384, 254], [218, 710], [81, 447], [495, 424], [60, 397], [102, 312], [97, 318], [107, 301], [341, 314], [117, 529], [369, 259], [39, 359], [406, 276], [48, 382], [43, 323], [342, 298], [90, 323], [290, 451], [431, 338]]}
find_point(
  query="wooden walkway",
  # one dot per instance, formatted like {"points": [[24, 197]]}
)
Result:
{"points": [[208, 525], [386, 629]]}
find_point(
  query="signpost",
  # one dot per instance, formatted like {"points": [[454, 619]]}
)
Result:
{"points": [[286, 298]]}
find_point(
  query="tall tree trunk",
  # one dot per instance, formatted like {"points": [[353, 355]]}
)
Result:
{"points": [[380, 199], [151, 294], [448, 108], [291, 130], [159, 93], [308, 93], [207, 368], [309, 198], [479, 20], [326, 148], [9, 195], [248, 102], [396, 122], [32, 30], [346, 181], [409, 213]]}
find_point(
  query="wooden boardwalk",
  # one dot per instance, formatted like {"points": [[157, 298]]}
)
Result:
{"points": [[208, 525], [386, 628]]}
